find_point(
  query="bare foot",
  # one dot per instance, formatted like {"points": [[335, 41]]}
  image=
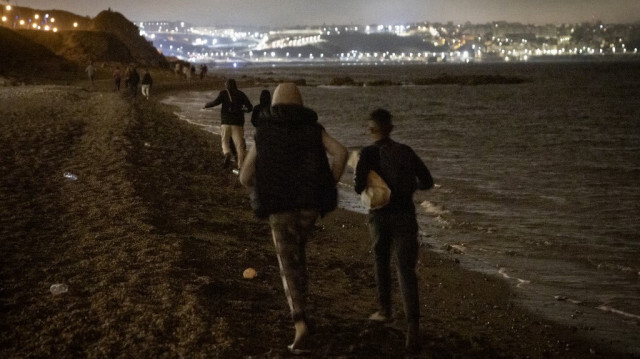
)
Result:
{"points": [[298, 342]]}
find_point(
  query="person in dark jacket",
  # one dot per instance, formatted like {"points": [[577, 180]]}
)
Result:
{"points": [[393, 228], [264, 105], [147, 81], [234, 105], [133, 81], [293, 183]]}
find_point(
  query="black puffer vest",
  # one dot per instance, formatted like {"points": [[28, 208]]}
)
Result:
{"points": [[292, 168]]}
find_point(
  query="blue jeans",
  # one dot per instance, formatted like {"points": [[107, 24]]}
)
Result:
{"points": [[396, 233]]}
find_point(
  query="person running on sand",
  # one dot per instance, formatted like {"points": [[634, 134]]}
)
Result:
{"points": [[264, 105], [393, 228], [292, 184], [234, 105], [147, 81]]}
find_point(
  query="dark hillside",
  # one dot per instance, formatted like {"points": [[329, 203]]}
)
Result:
{"points": [[141, 50], [109, 37], [83, 46], [20, 55]]}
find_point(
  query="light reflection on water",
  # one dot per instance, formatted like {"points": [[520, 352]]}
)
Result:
{"points": [[536, 181]]}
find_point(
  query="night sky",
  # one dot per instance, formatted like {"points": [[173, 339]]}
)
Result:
{"points": [[280, 13]]}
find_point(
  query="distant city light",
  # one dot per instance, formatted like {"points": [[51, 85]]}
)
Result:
{"points": [[75, 24], [8, 7]]}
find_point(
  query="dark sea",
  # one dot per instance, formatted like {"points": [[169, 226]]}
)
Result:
{"points": [[537, 182]]}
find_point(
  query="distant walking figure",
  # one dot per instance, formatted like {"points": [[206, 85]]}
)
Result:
{"points": [[393, 228], [133, 80], [91, 72], [147, 81], [293, 183], [117, 77], [234, 105]]}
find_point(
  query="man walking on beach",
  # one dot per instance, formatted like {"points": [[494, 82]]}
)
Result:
{"points": [[147, 81], [293, 183], [91, 72], [393, 228], [234, 105]]}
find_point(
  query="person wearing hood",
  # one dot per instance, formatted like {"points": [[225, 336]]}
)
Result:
{"points": [[293, 182], [264, 105], [234, 105]]}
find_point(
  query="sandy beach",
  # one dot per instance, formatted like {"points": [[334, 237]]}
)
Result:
{"points": [[127, 206]]}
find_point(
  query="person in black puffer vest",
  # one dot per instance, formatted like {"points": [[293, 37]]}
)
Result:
{"points": [[234, 105], [292, 183]]}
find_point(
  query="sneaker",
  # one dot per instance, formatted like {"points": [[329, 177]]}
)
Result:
{"points": [[379, 317]]}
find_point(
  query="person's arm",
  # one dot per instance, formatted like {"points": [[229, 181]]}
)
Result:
{"points": [[215, 102], [338, 155], [425, 181], [247, 104], [248, 170], [364, 166]]}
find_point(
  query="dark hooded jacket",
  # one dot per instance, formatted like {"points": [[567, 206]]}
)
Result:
{"points": [[265, 103], [292, 168], [234, 105]]}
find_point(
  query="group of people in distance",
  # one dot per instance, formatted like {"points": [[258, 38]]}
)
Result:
{"points": [[293, 182], [131, 79]]}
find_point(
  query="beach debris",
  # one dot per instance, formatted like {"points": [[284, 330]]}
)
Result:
{"points": [[433, 209], [58, 288], [249, 273], [147, 144], [70, 176], [560, 298]]}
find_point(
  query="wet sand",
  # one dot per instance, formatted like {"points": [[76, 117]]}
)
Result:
{"points": [[152, 238]]}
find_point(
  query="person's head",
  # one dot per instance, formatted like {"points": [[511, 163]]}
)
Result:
{"points": [[287, 93], [265, 97], [231, 84], [380, 125]]}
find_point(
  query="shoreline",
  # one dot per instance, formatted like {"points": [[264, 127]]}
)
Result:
{"points": [[553, 303], [152, 240], [596, 321]]}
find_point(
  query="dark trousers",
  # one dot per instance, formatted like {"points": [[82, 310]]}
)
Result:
{"points": [[396, 234], [290, 231]]}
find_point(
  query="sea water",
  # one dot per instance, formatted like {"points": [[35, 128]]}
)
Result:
{"points": [[537, 182]]}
